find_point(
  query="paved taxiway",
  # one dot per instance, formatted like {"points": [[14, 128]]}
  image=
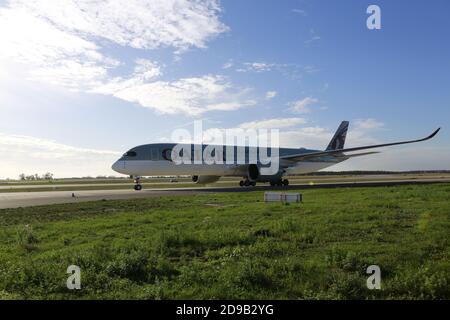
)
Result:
{"points": [[27, 199], [294, 180]]}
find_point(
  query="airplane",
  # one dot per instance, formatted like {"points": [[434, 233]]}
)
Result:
{"points": [[155, 160]]}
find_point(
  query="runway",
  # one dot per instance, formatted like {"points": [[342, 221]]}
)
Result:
{"points": [[28, 199]]}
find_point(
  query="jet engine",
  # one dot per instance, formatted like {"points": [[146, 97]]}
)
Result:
{"points": [[205, 179], [253, 172]]}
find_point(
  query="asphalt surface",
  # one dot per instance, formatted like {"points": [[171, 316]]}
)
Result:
{"points": [[126, 184], [27, 199]]}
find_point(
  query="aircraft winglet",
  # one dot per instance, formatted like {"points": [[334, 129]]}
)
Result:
{"points": [[302, 156]]}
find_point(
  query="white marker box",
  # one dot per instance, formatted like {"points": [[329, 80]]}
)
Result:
{"points": [[282, 197]]}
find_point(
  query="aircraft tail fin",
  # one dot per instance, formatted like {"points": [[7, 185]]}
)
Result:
{"points": [[338, 140]]}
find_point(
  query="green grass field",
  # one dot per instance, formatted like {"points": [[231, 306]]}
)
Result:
{"points": [[233, 246], [186, 182]]}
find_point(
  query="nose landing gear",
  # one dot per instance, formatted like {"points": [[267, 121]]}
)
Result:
{"points": [[137, 184]]}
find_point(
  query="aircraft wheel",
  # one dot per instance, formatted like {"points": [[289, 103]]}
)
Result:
{"points": [[241, 183], [285, 182], [246, 183], [138, 187]]}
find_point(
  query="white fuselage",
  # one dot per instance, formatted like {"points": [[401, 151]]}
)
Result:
{"points": [[157, 160], [167, 168]]}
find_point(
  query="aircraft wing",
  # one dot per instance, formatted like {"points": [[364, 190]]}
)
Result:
{"points": [[347, 156], [340, 152]]}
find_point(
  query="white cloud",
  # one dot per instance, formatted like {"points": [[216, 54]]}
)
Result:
{"points": [[257, 67], [306, 137], [190, 96], [313, 137], [368, 124], [228, 64], [310, 137], [292, 71], [23, 143], [62, 41], [141, 24], [362, 132], [270, 94], [301, 106], [310, 69], [35, 155], [144, 71], [147, 69], [75, 75], [299, 11], [277, 123], [313, 38], [52, 54]]}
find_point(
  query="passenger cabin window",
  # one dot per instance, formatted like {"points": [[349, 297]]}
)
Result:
{"points": [[130, 154]]}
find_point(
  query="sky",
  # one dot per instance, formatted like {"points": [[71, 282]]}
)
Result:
{"points": [[83, 81]]}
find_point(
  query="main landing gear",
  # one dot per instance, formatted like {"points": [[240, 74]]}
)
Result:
{"points": [[279, 183], [137, 184], [247, 183]]}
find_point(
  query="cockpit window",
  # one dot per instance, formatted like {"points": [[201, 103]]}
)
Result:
{"points": [[130, 154]]}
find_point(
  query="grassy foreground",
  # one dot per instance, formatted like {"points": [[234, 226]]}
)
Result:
{"points": [[233, 245]]}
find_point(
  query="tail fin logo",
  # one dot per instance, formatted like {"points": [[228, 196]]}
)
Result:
{"points": [[338, 140]]}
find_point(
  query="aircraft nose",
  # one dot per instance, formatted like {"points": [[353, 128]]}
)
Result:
{"points": [[117, 166]]}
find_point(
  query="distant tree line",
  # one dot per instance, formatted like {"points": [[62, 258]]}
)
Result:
{"points": [[31, 177], [49, 176]]}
